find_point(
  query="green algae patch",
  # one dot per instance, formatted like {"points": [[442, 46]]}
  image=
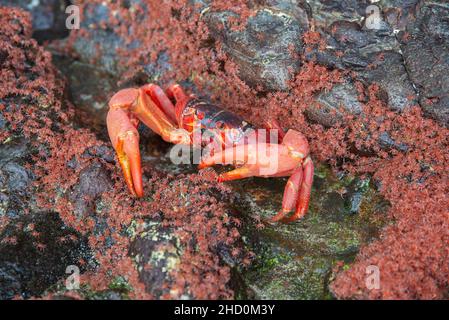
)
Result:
{"points": [[295, 261]]}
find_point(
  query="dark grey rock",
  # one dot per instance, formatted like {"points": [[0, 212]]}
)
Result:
{"points": [[387, 142], [426, 54], [294, 261], [156, 253], [388, 71], [32, 255], [266, 49], [105, 41], [332, 105], [355, 194], [92, 182], [27, 269], [399, 13], [18, 177], [374, 57], [326, 12], [15, 149], [102, 43]]}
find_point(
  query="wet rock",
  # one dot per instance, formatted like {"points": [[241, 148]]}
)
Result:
{"points": [[156, 252], [29, 234], [426, 54], [387, 143], [327, 12], [355, 194], [13, 150], [18, 177], [89, 88], [388, 71], [14, 178], [332, 105], [92, 182], [48, 17], [291, 278], [266, 49], [398, 13], [46, 241], [99, 43], [373, 56], [294, 261]]}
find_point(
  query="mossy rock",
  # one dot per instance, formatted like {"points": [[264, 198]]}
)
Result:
{"points": [[295, 261]]}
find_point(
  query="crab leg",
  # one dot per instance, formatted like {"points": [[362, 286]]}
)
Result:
{"points": [[153, 117], [274, 125], [264, 156], [160, 98], [298, 188], [239, 173], [291, 192], [304, 193]]}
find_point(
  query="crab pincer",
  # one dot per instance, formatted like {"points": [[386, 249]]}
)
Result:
{"points": [[126, 109]]}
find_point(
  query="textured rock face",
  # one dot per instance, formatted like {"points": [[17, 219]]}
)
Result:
{"points": [[331, 106], [31, 234], [267, 48], [295, 261], [157, 253], [373, 56], [48, 243], [36, 246], [327, 11], [426, 54], [389, 72]]}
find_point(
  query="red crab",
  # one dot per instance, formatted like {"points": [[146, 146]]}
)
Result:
{"points": [[168, 112]]}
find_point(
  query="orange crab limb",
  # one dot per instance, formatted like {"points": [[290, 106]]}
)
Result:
{"points": [[290, 195], [291, 158], [177, 92], [160, 98], [274, 125], [304, 193], [154, 118], [125, 140], [269, 159], [126, 108], [239, 173]]}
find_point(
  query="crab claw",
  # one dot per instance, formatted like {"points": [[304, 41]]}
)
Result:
{"points": [[290, 158], [125, 138]]}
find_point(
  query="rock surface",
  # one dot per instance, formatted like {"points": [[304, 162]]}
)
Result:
{"points": [[295, 261], [426, 52], [267, 48]]}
